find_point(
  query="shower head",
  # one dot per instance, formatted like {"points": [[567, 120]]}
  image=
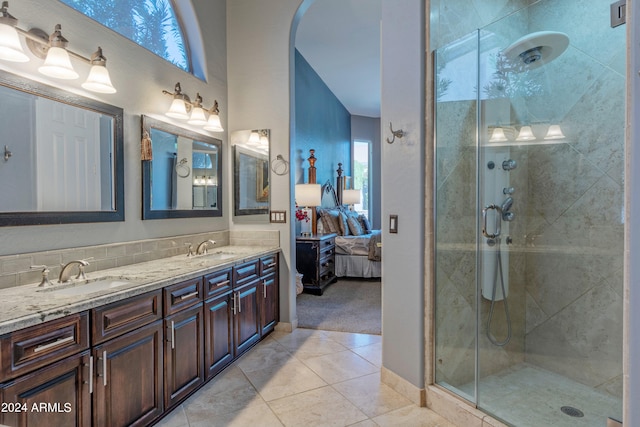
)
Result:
{"points": [[536, 49]]}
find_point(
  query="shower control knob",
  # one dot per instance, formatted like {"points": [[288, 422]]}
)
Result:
{"points": [[508, 216], [509, 240], [508, 190], [509, 164], [491, 242]]}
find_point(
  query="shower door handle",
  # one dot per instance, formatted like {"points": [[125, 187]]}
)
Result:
{"points": [[485, 233]]}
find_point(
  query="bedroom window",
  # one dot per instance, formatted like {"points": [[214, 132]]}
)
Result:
{"points": [[361, 161], [152, 24]]}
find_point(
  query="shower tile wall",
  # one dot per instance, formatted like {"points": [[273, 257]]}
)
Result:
{"points": [[566, 261]]}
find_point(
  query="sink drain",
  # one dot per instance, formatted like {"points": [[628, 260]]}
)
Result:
{"points": [[572, 412]]}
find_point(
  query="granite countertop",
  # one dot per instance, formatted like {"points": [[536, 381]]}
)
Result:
{"points": [[29, 305]]}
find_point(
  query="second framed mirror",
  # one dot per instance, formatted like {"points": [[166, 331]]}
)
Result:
{"points": [[251, 183]]}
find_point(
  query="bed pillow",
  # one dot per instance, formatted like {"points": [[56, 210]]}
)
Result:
{"points": [[354, 226], [343, 224], [366, 225], [330, 221]]}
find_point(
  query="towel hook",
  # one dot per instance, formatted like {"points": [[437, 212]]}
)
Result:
{"points": [[396, 133]]}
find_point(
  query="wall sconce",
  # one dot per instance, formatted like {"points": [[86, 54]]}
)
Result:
{"points": [[525, 134], [53, 49], [498, 135], [554, 132], [182, 105]]}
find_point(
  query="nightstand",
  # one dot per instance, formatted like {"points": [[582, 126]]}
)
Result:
{"points": [[315, 260]]}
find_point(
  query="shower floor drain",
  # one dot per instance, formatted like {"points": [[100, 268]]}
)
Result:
{"points": [[572, 412]]}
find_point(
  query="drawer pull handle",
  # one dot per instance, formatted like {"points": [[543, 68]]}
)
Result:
{"points": [[239, 303], [225, 283], [264, 288], [90, 374], [273, 264], [57, 342], [104, 368], [173, 335], [187, 296]]}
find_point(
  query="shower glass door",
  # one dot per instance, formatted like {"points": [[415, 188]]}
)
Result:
{"points": [[529, 216]]}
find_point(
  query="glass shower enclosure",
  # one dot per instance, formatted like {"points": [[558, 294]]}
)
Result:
{"points": [[529, 216]]}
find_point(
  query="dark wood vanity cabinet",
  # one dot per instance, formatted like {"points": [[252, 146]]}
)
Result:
{"points": [[127, 363], [128, 367], [315, 260], [184, 340]]}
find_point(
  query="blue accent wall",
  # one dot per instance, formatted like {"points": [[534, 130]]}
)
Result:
{"points": [[322, 124]]}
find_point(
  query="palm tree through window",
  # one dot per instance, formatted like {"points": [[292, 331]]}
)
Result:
{"points": [[152, 24]]}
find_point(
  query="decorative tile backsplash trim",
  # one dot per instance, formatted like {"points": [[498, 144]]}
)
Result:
{"points": [[15, 270]]}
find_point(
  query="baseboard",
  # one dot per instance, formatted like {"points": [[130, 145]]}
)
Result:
{"points": [[286, 326], [415, 394]]}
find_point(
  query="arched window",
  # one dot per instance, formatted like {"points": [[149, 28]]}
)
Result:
{"points": [[153, 24]]}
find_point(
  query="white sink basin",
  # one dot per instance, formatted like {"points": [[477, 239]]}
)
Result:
{"points": [[88, 286]]}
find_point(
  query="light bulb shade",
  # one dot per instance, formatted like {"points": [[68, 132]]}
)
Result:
{"points": [[58, 65], [178, 109], [498, 135], [254, 138], [197, 117], [10, 48], [264, 141], [213, 124], [99, 80], [525, 134], [308, 195], [554, 132], [351, 197]]}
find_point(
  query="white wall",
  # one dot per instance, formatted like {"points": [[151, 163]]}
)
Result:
{"points": [[403, 99], [368, 129], [140, 76]]}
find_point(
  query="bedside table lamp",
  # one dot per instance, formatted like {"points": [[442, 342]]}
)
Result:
{"points": [[351, 197], [308, 196]]}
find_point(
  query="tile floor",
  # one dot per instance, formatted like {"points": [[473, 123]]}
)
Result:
{"points": [[305, 378]]}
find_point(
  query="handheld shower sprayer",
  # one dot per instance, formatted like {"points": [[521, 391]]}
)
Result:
{"points": [[507, 215]]}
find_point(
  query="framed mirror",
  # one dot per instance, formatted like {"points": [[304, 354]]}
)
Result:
{"points": [[184, 177], [251, 192], [62, 156]]}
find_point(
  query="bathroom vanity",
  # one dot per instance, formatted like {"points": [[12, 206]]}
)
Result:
{"points": [[127, 354]]}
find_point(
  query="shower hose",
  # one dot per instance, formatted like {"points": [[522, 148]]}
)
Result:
{"points": [[498, 271]]}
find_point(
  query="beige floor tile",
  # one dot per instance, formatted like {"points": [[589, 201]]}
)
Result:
{"points": [[371, 396], [322, 407], [412, 416], [365, 423], [265, 354], [274, 382], [177, 418], [352, 340], [372, 353], [253, 416], [342, 366]]}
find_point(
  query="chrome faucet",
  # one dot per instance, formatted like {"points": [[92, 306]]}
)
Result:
{"points": [[65, 273], [202, 247]]}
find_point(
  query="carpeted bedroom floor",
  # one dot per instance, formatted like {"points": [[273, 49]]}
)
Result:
{"points": [[349, 305]]}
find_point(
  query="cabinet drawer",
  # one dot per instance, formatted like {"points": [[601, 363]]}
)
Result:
{"points": [[326, 252], [182, 295], [245, 273], [31, 348], [218, 282], [268, 264], [115, 319]]}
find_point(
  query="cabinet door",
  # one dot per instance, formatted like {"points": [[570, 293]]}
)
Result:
{"points": [[219, 339], [128, 388], [55, 396], [247, 316], [269, 303], [183, 354]]}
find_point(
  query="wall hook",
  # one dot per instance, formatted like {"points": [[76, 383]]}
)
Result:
{"points": [[7, 153], [396, 134]]}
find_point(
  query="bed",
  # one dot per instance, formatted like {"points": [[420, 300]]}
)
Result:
{"points": [[358, 251]]}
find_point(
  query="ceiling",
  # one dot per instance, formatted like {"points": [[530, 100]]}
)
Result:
{"points": [[340, 39]]}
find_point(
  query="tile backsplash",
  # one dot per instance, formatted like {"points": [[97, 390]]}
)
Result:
{"points": [[15, 270]]}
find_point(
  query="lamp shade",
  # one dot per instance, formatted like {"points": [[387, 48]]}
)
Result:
{"points": [[525, 134], [58, 65], [99, 80], [197, 117], [498, 135], [178, 109], [10, 48], [351, 197], [554, 132], [213, 124], [308, 195]]}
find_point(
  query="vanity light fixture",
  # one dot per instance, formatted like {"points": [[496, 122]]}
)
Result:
{"points": [[53, 50], [183, 108], [554, 132], [525, 134], [498, 135], [254, 138]]}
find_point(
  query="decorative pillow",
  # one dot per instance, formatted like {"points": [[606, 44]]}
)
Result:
{"points": [[330, 221], [343, 225], [354, 226], [366, 225]]}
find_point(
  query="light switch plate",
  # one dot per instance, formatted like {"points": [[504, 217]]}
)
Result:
{"points": [[278, 217], [393, 223]]}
